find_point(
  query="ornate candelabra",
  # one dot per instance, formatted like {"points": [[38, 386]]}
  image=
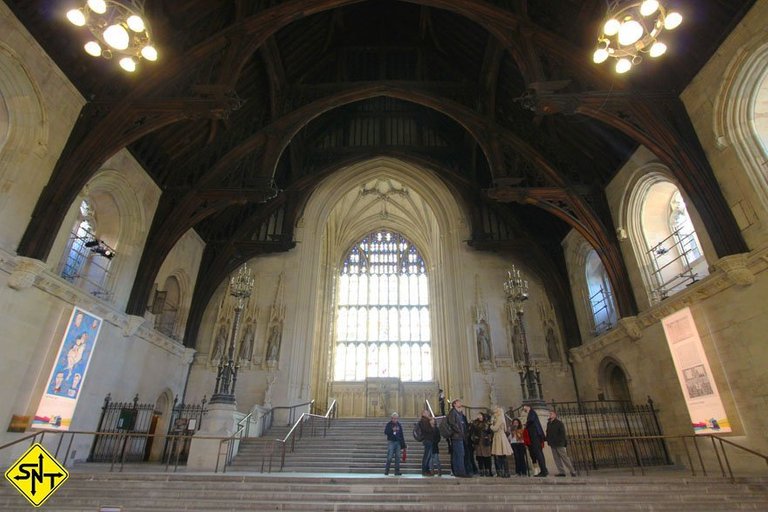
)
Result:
{"points": [[240, 287], [516, 290]]}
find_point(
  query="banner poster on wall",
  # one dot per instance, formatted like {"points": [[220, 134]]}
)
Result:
{"points": [[69, 370], [701, 396]]}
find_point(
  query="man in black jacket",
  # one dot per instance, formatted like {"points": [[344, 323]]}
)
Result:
{"points": [[557, 440], [536, 433], [395, 442]]}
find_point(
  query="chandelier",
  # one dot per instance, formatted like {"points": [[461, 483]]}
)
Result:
{"points": [[632, 30], [118, 29]]}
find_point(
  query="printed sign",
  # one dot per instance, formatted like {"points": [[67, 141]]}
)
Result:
{"points": [[69, 370], [37, 474], [699, 388]]}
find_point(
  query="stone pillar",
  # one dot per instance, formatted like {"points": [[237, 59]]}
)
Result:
{"points": [[219, 421]]}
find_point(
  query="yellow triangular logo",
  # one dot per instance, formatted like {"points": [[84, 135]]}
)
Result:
{"points": [[37, 474]]}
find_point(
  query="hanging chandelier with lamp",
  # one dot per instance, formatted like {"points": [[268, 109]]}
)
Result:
{"points": [[118, 29], [632, 30]]}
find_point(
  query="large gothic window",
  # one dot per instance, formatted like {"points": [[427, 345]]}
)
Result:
{"points": [[600, 295], [382, 317], [86, 260]]}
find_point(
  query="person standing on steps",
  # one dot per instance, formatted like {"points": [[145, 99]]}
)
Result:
{"points": [[441, 401], [536, 433], [395, 442], [427, 426], [458, 433], [557, 441]]}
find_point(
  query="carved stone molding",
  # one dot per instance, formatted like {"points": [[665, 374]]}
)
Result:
{"points": [[736, 269], [189, 355], [631, 327], [25, 273], [132, 325]]}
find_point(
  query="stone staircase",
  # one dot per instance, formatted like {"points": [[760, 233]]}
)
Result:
{"points": [[354, 446], [343, 472], [145, 492]]}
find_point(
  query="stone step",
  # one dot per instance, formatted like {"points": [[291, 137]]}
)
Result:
{"points": [[161, 492]]}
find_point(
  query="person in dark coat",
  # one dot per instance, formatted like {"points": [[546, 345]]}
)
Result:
{"points": [[557, 441], [395, 442], [427, 426], [458, 434], [536, 433]]}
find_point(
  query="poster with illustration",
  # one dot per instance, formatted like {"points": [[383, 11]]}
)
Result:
{"points": [[69, 370], [699, 388]]}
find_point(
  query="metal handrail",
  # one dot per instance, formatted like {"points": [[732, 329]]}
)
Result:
{"points": [[299, 427], [725, 467], [244, 426], [293, 408], [123, 438], [238, 435]]}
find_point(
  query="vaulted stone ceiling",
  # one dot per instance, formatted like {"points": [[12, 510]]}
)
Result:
{"points": [[253, 102]]}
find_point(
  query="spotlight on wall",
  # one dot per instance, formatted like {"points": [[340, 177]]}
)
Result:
{"points": [[100, 248]]}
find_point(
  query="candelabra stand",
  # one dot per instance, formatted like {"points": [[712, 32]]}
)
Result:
{"points": [[516, 291], [240, 287]]}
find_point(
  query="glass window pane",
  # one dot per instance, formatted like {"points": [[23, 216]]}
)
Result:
{"points": [[402, 289], [373, 359], [394, 353], [360, 362], [344, 289], [362, 324], [341, 324], [423, 290], [382, 310], [363, 293], [405, 357]]}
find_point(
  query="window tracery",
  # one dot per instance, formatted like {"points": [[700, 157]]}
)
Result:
{"points": [[382, 322]]}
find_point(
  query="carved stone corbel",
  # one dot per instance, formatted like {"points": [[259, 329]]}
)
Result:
{"points": [[736, 269], [132, 325], [189, 355], [631, 327], [27, 269]]}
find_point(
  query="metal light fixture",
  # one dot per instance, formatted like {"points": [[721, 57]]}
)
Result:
{"points": [[516, 291], [631, 30], [240, 287], [117, 29]]}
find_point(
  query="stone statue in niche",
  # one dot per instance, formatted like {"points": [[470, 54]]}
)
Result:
{"points": [[275, 326], [273, 343], [268, 393], [219, 344], [246, 344], [483, 332], [552, 350], [517, 341]]}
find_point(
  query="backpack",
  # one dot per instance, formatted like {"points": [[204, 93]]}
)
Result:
{"points": [[445, 429], [417, 433]]}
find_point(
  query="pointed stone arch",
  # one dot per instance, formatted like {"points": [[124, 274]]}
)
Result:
{"points": [[437, 225], [741, 113]]}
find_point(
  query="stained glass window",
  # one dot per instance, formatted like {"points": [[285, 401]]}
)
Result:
{"points": [[382, 317]]}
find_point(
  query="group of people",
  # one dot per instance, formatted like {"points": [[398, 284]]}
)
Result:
{"points": [[474, 445]]}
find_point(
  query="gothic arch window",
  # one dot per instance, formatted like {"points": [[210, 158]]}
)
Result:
{"points": [[664, 238], [168, 310], [600, 295], [613, 381], [741, 115], [382, 313], [87, 258]]}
